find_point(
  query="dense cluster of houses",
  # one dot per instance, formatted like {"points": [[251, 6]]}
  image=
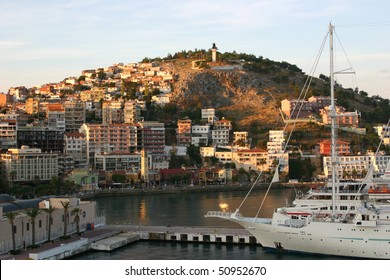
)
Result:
{"points": [[52, 130]]}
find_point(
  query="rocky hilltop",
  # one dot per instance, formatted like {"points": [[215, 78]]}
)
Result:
{"points": [[243, 96], [249, 92]]}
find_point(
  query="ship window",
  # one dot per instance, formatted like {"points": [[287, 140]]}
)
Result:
{"points": [[343, 207], [352, 207]]}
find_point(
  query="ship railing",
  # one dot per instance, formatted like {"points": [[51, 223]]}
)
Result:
{"points": [[237, 216], [218, 214], [257, 220]]}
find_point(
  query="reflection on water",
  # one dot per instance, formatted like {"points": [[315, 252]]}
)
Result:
{"points": [[187, 209]]}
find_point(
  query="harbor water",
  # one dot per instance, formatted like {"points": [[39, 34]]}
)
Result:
{"points": [[188, 209]]}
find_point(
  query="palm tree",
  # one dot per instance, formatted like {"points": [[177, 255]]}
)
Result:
{"points": [[33, 213], [77, 219], [66, 206], [49, 211], [11, 217]]}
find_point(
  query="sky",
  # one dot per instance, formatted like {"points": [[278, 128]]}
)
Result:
{"points": [[44, 41]]}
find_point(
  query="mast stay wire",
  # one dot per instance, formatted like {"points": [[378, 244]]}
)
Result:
{"points": [[302, 96]]}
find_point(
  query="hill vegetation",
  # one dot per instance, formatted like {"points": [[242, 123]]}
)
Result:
{"points": [[249, 94]]}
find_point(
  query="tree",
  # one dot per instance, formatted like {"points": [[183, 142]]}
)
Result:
{"points": [[49, 211], [11, 217], [66, 206], [12, 176], [33, 213], [77, 211]]}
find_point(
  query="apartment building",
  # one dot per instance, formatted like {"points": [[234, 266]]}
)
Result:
{"points": [[319, 102], [45, 138], [32, 106], [112, 112], [357, 166], [342, 148], [276, 141], [55, 116], [241, 138], [255, 159], [8, 130], [184, 132], [105, 138], [345, 119], [132, 112], [294, 108], [75, 145], [220, 134], [200, 135], [151, 137], [74, 115], [208, 114], [118, 161], [27, 164]]}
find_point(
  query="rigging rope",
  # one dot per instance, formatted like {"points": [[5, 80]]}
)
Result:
{"points": [[298, 105]]}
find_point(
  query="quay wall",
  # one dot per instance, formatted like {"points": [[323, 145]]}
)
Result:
{"points": [[178, 190], [110, 238]]}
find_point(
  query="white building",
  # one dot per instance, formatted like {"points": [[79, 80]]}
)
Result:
{"points": [[207, 151], [55, 114], [276, 141], [75, 145], [209, 115], [161, 99], [118, 161], [357, 166], [23, 227], [255, 159], [200, 134], [220, 135], [28, 164], [383, 131]]}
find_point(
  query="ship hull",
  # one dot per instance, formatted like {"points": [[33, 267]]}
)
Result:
{"points": [[325, 238]]}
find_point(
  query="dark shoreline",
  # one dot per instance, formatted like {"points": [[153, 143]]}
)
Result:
{"points": [[181, 189]]}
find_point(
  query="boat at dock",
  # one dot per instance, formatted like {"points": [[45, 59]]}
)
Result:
{"points": [[328, 225]]}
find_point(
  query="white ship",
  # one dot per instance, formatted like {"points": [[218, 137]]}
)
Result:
{"points": [[324, 226], [348, 195]]}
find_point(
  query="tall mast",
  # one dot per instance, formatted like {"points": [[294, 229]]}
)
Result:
{"points": [[333, 121]]}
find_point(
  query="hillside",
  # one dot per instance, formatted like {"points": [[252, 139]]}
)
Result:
{"points": [[253, 90], [250, 95]]}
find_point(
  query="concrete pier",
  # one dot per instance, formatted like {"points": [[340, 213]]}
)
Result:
{"points": [[190, 234], [111, 237], [114, 242]]}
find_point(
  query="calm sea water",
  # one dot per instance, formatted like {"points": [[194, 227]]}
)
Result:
{"points": [[188, 209]]}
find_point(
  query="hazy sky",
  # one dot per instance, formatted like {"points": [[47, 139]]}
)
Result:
{"points": [[46, 41]]}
